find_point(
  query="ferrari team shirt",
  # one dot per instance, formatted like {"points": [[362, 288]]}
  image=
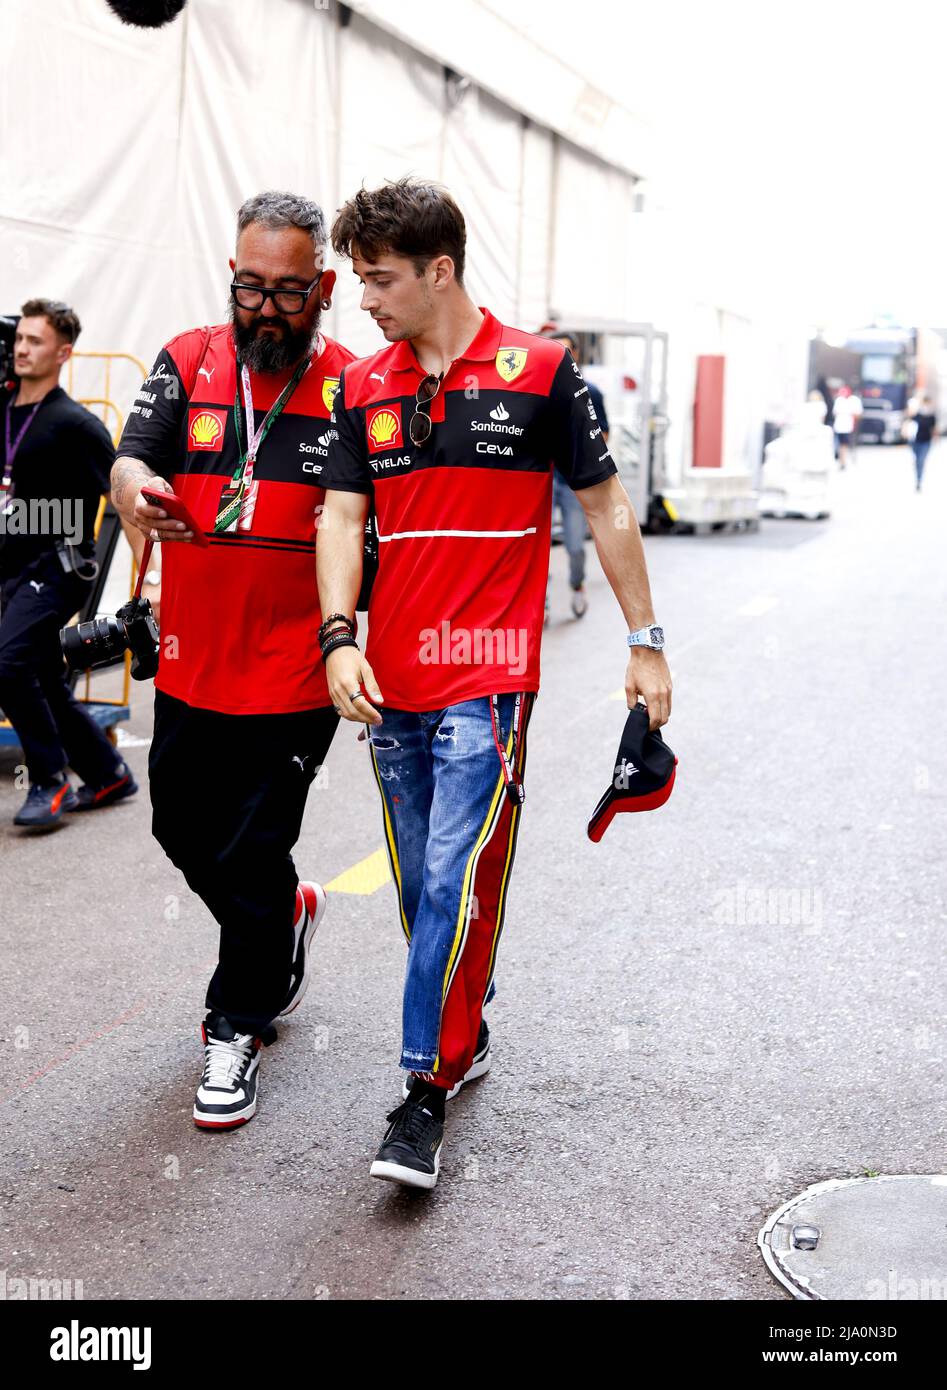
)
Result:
{"points": [[239, 620], [456, 610]]}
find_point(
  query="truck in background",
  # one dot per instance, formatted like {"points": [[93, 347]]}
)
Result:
{"points": [[886, 366]]}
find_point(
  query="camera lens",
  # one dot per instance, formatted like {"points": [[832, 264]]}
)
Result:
{"points": [[98, 642]]}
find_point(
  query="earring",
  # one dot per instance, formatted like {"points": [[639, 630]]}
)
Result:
{"points": [[327, 304]]}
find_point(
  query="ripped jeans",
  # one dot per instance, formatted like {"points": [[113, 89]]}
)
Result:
{"points": [[451, 830]]}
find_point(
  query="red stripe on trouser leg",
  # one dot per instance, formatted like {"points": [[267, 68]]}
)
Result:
{"points": [[463, 1007], [460, 1018]]}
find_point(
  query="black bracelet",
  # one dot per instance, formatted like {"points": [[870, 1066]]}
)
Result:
{"points": [[336, 618], [331, 643]]}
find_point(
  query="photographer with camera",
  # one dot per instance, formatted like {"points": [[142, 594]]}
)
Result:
{"points": [[56, 459], [235, 421]]}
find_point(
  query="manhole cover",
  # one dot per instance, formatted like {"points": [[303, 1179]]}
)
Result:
{"points": [[862, 1238]]}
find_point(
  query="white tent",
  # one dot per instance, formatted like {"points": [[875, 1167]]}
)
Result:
{"points": [[126, 153]]}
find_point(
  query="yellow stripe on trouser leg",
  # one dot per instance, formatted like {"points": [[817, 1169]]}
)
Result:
{"points": [[390, 844]]}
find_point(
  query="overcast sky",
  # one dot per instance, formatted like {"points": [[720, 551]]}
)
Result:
{"points": [[807, 136]]}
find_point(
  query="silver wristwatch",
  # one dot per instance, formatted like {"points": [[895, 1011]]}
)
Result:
{"points": [[651, 636]]}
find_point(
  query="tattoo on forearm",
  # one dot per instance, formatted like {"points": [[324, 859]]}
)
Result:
{"points": [[128, 474]]}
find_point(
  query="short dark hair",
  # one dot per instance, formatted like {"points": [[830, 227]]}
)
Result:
{"points": [[63, 319], [406, 217]]}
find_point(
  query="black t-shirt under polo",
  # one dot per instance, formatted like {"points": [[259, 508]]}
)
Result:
{"points": [[66, 455]]}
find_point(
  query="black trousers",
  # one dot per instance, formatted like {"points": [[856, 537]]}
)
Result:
{"points": [[228, 793], [53, 728]]}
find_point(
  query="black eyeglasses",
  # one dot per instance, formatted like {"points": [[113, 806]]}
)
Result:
{"points": [[287, 301], [419, 426]]}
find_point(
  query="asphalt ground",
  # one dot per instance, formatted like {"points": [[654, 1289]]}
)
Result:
{"points": [[725, 1001]]}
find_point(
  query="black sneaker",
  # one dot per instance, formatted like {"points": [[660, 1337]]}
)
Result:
{"points": [[482, 1061], [226, 1096], [410, 1152], [91, 798], [44, 805]]}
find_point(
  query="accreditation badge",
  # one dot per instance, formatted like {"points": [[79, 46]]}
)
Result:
{"points": [[236, 508], [228, 510]]}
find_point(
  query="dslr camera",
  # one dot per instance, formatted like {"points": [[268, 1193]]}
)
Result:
{"points": [[104, 641]]}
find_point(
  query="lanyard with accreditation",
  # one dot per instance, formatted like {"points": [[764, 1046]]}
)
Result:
{"points": [[238, 497]]}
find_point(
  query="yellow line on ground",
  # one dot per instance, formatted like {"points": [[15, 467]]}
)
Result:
{"points": [[365, 877]]}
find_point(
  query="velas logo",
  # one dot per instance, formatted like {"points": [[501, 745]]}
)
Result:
{"points": [[510, 361], [205, 429], [383, 426]]}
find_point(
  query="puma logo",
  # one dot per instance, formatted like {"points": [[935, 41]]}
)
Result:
{"points": [[378, 376], [202, 371], [301, 761], [36, 586]]}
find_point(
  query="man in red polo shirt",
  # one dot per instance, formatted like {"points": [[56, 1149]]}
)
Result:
{"points": [[235, 420], [453, 432]]}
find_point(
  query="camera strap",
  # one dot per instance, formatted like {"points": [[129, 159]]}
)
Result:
{"points": [[143, 566], [74, 562], [240, 483]]}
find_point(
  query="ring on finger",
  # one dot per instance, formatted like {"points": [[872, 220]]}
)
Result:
{"points": [[356, 695]]}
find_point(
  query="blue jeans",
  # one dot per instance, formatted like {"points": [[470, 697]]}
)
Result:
{"points": [[921, 450], [573, 528], [451, 830]]}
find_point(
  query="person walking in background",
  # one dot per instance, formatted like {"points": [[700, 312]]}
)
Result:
{"points": [[924, 420], [815, 409], [570, 508], [846, 414]]}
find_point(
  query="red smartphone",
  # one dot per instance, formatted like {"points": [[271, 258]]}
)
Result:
{"points": [[173, 505]]}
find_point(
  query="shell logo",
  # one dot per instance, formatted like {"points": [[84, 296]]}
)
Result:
{"points": [[206, 429], [384, 427]]}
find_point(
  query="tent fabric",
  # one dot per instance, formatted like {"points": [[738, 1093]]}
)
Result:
{"points": [[119, 194]]}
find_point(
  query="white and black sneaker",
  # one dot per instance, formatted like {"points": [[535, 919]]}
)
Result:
{"points": [[311, 899], [482, 1061], [410, 1152], [226, 1096]]}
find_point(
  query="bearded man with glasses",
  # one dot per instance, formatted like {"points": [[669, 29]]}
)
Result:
{"points": [[235, 420]]}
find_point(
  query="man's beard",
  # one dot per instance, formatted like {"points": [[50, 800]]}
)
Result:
{"points": [[265, 353]]}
